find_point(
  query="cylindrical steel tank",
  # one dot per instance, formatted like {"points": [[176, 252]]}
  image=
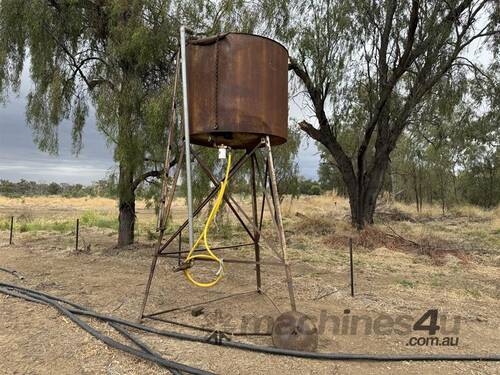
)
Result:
{"points": [[237, 90]]}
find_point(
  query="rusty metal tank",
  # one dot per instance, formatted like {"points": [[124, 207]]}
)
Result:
{"points": [[237, 90]]}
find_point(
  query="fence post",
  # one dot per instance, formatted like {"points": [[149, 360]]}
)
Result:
{"points": [[352, 267], [11, 229], [77, 230]]}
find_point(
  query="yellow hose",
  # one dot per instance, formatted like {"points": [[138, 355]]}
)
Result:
{"points": [[204, 235]]}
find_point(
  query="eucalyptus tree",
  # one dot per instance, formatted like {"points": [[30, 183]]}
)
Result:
{"points": [[117, 56], [368, 67], [426, 158], [114, 55], [455, 137], [479, 182]]}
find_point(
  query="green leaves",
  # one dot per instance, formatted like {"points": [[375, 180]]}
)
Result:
{"points": [[80, 111]]}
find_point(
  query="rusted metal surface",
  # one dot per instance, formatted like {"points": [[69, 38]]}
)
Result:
{"points": [[228, 247], [226, 260], [158, 250], [167, 193], [279, 222], [226, 199], [238, 90], [235, 168], [255, 223], [295, 331]]}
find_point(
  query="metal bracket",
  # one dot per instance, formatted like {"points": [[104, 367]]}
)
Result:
{"points": [[217, 337], [183, 266]]}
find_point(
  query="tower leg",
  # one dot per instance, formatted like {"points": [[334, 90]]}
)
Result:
{"points": [[279, 222], [256, 223], [163, 219]]}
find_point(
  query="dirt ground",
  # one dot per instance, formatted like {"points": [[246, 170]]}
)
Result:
{"points": [[407, 264]]}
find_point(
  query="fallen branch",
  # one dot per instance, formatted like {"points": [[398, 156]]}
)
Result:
{"points": [[397, 235], [335, 290]]}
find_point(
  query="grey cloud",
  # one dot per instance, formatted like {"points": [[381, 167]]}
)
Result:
{"points": [[20, 158]]}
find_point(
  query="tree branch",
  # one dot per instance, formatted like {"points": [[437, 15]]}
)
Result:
{"points": [[330, 142], [152, 173], [311, 131], [144, 176]]}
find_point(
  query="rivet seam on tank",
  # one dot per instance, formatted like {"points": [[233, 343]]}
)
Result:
{"points": [[216, 124]]}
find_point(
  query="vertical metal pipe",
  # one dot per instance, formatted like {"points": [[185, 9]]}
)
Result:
{"points": [[352, 267], [11, 229], [186, 135], [77, 234]]}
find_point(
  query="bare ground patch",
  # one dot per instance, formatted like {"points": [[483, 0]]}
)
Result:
{"points": [[392, 277]]}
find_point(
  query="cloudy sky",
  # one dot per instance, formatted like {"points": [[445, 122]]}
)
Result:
{"points": [[20, 158]]}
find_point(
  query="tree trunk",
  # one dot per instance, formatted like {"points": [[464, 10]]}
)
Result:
{"points": [[420, 195], [364, 192], [126, 196], [415, 188], [491, 170], [363, 199], [363, 209], [388, 184], [443, 198]]}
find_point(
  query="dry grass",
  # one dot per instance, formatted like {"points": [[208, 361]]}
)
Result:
{"points": [[59, 203], [464, 232], [433, 212], [403, 266], [59, 214], [399, 225]]}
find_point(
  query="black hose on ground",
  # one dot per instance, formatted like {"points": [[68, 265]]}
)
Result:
{"points": [[117, 327], [139, 343], [264, 349], [150, 356]]}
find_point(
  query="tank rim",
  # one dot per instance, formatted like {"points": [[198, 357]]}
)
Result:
{"points": [[250, 34]]}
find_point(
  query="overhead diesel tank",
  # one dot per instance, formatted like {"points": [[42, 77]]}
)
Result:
{"points": [[237, 90], [235, 96]]}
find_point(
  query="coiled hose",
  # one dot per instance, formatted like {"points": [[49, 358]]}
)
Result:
{"points": [[204, 236]]}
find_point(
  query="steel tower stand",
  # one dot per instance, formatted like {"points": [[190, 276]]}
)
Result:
{"points": [[252, 224]]}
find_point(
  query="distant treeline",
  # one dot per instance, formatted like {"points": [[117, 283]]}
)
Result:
{"points": [[432, 173], [102, 188], [108, 188]]}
